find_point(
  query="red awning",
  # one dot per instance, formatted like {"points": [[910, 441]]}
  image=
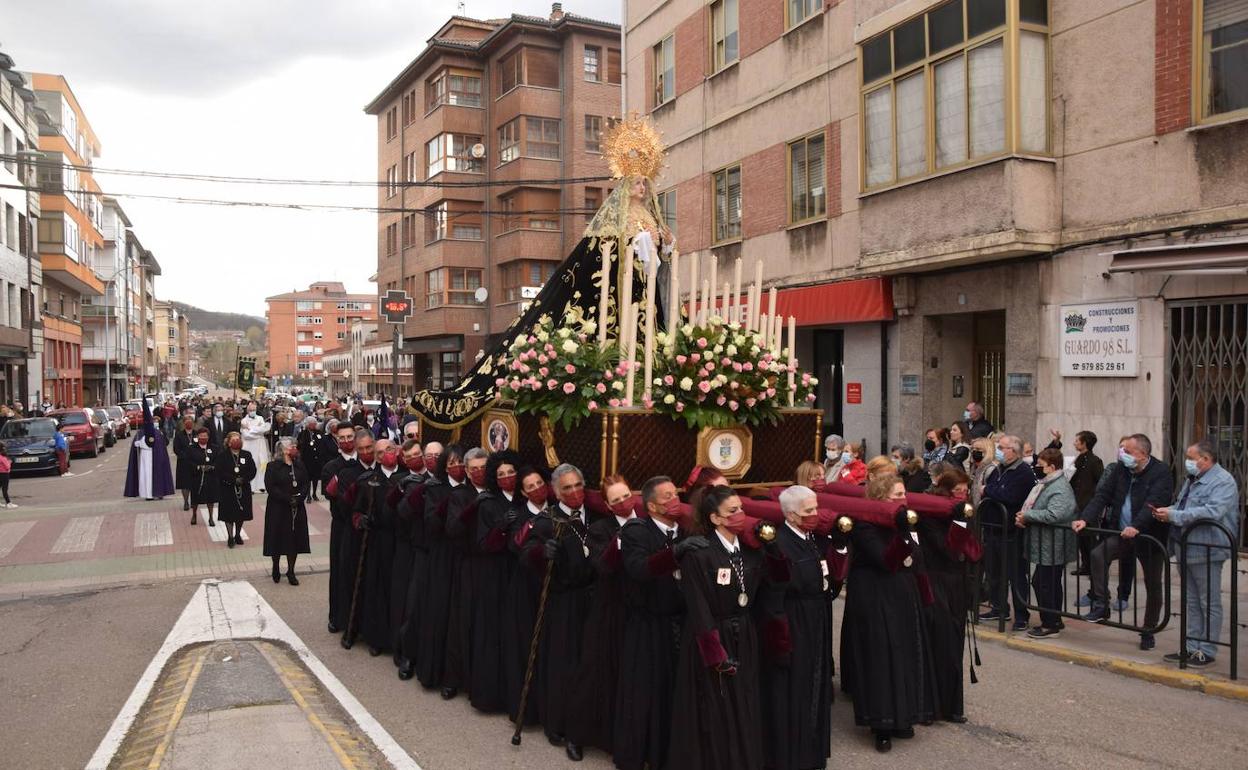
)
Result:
{"points": [[866, 299]]}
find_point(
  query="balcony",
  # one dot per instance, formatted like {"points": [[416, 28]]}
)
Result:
{"points": [[74, 275], [101, 311], [95, 354]]}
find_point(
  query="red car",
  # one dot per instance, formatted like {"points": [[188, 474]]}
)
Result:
{"points": [[134, 413], [82, 430]]}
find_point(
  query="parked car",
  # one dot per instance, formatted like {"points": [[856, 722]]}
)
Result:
{"points": [[31, 444], [121, 423], [81, 428], [134, 413], [106, 422]]}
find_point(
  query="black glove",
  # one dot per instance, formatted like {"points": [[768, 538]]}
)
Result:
{"points": [[510, 517], [900, 521], [551, 549], [366, 522], [688, 545], [728, 667]]}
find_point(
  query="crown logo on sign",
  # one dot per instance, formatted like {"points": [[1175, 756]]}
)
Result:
{"points": [[1075, 322]]}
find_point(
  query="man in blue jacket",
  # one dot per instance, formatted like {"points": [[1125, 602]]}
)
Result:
{"points": [[1140, 482], [1209, 495], [1009, 485]]}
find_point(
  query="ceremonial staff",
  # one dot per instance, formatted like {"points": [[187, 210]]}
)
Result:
{"points": [[537, 633], [348, 636]]}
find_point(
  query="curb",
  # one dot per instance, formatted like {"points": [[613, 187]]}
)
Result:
{"points": [[1170, 677]]}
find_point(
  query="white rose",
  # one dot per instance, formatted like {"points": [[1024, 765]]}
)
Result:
{"points": [[731, 350], [617, 385], [569, 346], [541, 335], [669, 399], [717, 349], [686, 330], [814, 380], [686, 383], [565, 332], [589, 327]]}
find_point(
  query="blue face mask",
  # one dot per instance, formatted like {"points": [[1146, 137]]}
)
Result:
{"points": [[1000, 455], [1189, 465], [1128, 461], [966, 414], [846, 457]]}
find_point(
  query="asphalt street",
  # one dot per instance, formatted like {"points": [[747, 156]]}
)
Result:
{"points": [[68, 663]]}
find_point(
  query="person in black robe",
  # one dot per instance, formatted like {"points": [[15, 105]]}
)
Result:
{"points": [[884, 640], [184, 475], [401, 568], [411, 516], [326, 449], [351, 550], [347, 465], [654, 609], [559, 540], [235, 470], [435, 608], [717, 715], [949, 549], [308, 441], [524, 588], [374, 510], [592, 715], [461, 513], [285, 517], [490, 568], [204, 489], [797, 642]]}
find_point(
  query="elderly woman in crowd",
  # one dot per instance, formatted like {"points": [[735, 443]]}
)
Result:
{"points": [[285, 517], [832, 463], [853, 469], [935, 446], [1052, 546], [909, 468]]}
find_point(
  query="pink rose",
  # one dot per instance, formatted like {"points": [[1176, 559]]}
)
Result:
{"points": [[680, 406], [570, 369], [749, 367], [704, 386], [544, 372], [710, 366], [771, 393], [725, 361], [500, 382], [608, 374], [647, 402], [593, 405], [681, 359], [810, 396], [668, 380], [535, 385], [532, 340], [721, 401], [701, 342], [736, 367], [542, 359], [695, 357], [601, 388], [614, 402], [515, 384], [733, 405], [750, 402], [569, 388], [552, 383]]}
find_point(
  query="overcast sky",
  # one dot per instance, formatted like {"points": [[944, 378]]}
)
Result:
{"points": [[258, 88]]}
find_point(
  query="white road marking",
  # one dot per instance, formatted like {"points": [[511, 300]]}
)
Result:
{"points": [[11, 534], [79, 535], [217, 534], [234, 610], [312, 530], [151, 529]]}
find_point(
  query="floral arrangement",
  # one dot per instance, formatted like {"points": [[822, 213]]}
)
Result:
{"points": [[561, 373], [713, 374], [718, 374]]}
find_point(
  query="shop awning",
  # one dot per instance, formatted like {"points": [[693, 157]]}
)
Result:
{"points": [[858, 301], [1210, 258]]}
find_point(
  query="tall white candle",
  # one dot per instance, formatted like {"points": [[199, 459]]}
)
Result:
{"points": [[711, 310], [756, 310], [706, 301], [777, 323], [736, 290], [631, 355], [672, 310], [625, 300], [727, 311], [771, 302], [604, 291], [792, 358], [693, 290], [652, 280]]}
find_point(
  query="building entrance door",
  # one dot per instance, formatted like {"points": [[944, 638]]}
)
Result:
{"points": [[830, 369], [989, 379], [1207, 390]]}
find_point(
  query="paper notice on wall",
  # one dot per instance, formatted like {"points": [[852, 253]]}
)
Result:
{"points": [[1100, 339]]}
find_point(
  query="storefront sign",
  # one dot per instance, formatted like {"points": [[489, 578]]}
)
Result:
{"points": [[1100, 339], [853, 392]]}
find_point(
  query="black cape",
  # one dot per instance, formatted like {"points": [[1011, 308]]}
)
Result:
{"points": [[373, 500], [948, 615], [461, 512], [490, 565], [184, 475], [285, 517], [435, 604], [343, 470], [204, 483], [234, 475]]}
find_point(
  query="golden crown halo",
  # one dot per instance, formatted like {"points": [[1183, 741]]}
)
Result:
{"points": [[633, 147]]}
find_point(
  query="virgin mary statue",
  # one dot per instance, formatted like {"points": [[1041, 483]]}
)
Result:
{"points": [[629, 224]]}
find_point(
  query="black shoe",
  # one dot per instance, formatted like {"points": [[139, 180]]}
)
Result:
{"points": [[1098, 614], [905, 734], [186, 506], [406, 670], [449, 693], [211, 522], [1042, 632], [1199, 660], [957, 719], [556, 739], [993, 615], [333, 627], [374, 651], [1173, 657], [883, 743], [1147, 641], [238, 540], [230, 542], [290, 578], [194, 519], [1019, 625], [574, 752], [347, 642], [277, 576], [1081, 572]]}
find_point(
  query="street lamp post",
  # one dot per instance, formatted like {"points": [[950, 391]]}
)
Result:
{"points": [[108, 360]]}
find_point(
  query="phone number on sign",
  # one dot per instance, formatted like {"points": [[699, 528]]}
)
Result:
{"points": [[1099, 366]]}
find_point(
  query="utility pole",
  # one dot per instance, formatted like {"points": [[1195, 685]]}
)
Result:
{"points": [[394, 365]]}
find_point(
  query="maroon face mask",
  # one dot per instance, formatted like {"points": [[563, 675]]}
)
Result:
{"points": [[809, 523], [538, 496], [623, 509], [477, 475], [576, 499], [367, 456], [507, 484], [390, 459], [456, 472], [346, 445], [416, 464]]}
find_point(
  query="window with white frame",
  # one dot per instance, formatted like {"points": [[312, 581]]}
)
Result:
{"points": [[667, 207], [725, 42], [665, 70], [727, 211], [807, 177], [1222, 80], [800, 10]]}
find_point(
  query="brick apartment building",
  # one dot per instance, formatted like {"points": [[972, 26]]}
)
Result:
{"points": [[970, 185], [69, 234], [302, 325], [533, 96]]}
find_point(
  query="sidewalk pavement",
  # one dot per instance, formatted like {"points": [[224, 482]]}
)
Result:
{"points": [[1118, 650]]}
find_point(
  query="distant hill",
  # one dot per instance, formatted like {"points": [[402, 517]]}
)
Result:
{"points": [[211, 320]]}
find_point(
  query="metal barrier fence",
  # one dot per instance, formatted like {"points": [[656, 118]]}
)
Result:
{"points": [[1005, 561], [1197, 561]]}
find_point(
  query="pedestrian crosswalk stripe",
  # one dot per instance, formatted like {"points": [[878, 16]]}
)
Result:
{"points": [[79, 535], [217, 533], [152, 529], [11, 534]]}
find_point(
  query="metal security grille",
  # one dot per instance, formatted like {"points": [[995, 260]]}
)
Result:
{"points": [[1208, 384], [990, 383]]}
